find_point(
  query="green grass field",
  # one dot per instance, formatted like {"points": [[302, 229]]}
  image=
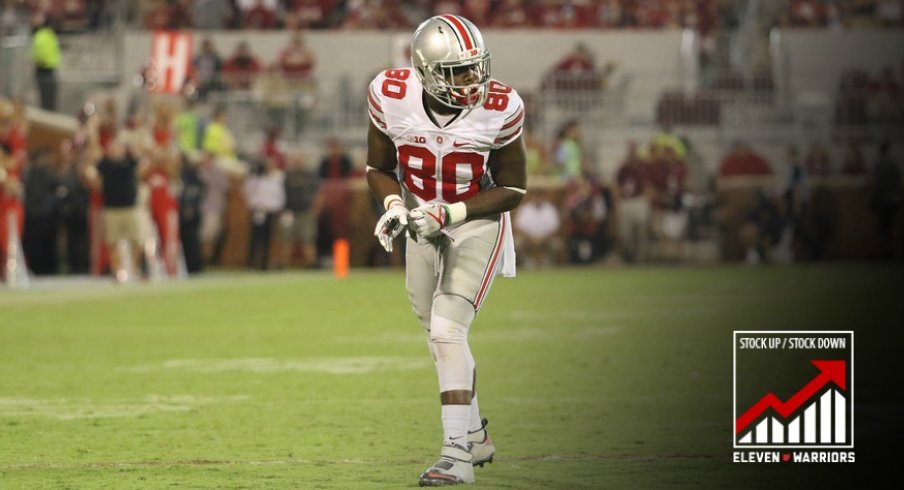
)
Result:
{"points": [[591, 378]]}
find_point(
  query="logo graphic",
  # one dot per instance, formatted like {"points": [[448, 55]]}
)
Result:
{"points": [[459, 145], [793, 390]]}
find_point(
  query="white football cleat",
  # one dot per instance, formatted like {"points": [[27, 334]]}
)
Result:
{"points": [[482, 447], [453, 468]]}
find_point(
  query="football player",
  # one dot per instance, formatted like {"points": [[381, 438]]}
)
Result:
{"points": [[446, 159]]}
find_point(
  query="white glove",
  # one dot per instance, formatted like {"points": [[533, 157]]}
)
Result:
{"points": [[429, 220], [393, 221]]}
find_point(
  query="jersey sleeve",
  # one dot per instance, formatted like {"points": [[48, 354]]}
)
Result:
{"points": [[513, 123], [375, 103]]}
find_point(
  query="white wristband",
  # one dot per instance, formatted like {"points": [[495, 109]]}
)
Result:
{"points": [[389, 201], [458, 212]]}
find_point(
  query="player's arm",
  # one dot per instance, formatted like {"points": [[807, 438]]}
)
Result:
{"points": [[508, 166], [381, 164], [381, 178]]}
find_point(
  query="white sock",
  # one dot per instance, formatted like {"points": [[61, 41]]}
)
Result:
{"points": [[455, 421], [475, 424]]}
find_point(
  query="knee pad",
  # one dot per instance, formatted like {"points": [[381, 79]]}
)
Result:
{"points": [[449, 343], [453, 307]]}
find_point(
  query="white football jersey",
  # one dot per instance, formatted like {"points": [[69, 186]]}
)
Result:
{"points": [[437, 163]]}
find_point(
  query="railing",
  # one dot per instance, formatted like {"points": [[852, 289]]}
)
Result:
{"points": [[16, 72], [90, 63]]}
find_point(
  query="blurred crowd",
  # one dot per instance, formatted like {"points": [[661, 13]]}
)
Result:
{"points": [[152, 194], [147, 190], [591, 219], [149, 194], [794, 218], [702, 15], [662, 201], [277, 83], [71, 16], [407, 14], [865, 98], [842, 14]]}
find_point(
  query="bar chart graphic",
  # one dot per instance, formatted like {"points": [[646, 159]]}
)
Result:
{"points": [[817, 415]]}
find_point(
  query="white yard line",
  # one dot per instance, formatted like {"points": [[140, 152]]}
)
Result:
{"points": [[73, 409], [340, 365]]}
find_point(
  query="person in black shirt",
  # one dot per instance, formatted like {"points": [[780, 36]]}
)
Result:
{"points": [[72, 209], [117, 172], [299, 220], [40, 220]]}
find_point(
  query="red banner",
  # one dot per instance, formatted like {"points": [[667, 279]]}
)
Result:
{"points": [[170, 61]]}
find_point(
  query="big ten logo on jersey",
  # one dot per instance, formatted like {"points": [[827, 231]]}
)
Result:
{"points": [[421, 140]]}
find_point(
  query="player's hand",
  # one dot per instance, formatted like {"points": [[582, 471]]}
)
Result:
{"points": [[393, 221], [428, 221]]}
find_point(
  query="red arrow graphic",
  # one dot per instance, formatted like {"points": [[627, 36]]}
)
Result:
{"points": [[834, 371]]}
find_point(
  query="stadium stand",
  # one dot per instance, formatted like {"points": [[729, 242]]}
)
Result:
{"points": [[773, 74]]}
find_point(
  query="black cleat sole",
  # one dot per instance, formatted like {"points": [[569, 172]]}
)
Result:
{"points": [[484, 462]]}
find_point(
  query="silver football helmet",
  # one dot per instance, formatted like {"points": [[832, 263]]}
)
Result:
{"points": [[445, 46]]}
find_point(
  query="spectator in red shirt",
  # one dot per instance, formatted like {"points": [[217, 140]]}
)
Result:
{"points": [[336, 164], [576, 71], [158, 15], [180, 14], [742, 161], [607, 14], [308, 13], [650, 14], [668, 175], [240, 70], [71, 15], [335, 168], [477, 11], [441, 7], [297, 61], [259, 14], [551, 14], [270, 148], [669, 179], [632, 174], [807, 13], [633, 206], [579, 60], [371, 14], [510, 14]]}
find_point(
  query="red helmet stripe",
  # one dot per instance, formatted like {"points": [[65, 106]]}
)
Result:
{"points": [[462, 31]]}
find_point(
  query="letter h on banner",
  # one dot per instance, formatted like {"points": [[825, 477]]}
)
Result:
{"points": [[170, 59]]}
